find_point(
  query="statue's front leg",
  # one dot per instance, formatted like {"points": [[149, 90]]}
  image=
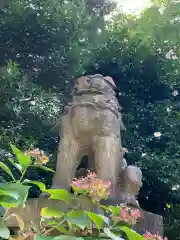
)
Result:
{"points": [[67, 162], [106, 153]]}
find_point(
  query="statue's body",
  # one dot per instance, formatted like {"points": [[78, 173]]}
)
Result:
{"points": [[91, 126]]}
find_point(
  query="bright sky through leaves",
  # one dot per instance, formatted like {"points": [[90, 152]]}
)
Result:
{"points": [[133, 5]]}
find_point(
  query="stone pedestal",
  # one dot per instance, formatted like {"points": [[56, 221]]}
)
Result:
{"points": [[31, 213], [151, 222]]}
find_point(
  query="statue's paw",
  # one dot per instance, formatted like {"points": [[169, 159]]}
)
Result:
{"points": [[129, 199]]}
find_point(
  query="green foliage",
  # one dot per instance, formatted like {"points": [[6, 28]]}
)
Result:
{"points": [[59, 194], [17, 194], [4, 232], [78, 218], [131, 234], [6, 169], [48, 212], [41, 185], [13, 194], [97, 220], [23, 160]]}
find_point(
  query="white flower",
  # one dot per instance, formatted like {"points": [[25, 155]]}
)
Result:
{"points": [[171, 55], [175, 93], [175, 187], [143, 154], [157, 134], [168, 109], [82, 40], [33, 103]]}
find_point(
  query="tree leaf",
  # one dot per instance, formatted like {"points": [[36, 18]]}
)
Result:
{"points": [[16, 165], [18, 193], [112, 235], [51, 212], [8, 193], [79, 218], [105, 219], [97, 219], [131, 234], [41, 185], [44, 168], [62, 229], [4, 231], [60, 194], [24, 160], [7, 170], [116, 210]]}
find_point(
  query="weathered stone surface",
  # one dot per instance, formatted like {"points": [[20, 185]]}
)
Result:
{"points": [[151, 222], [31, 213], [91, 126]]}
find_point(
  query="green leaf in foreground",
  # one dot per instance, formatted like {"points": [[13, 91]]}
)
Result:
{"points": [[8, 193], [62, 229], [7, 170], [44, 168], [79, 218], [4, 231], [41, 185], [51, 212], [116, 210], [60, 194], [131, 234], [111, 235], [18, 194], [16, 165], [24, 160], [96, 219]]}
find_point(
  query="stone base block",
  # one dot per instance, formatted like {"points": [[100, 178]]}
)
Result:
{"points": [[31, 214], [150, 222]]}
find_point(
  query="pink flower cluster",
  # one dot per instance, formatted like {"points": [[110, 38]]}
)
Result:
{"points": [[95, 188], [128, 215], [38, 155], [150, 236]]}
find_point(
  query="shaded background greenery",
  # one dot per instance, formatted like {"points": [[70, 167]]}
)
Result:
{"points": [[46, 44]]}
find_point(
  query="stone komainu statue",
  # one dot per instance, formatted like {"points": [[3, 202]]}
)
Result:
{"points": [[91, 126]]}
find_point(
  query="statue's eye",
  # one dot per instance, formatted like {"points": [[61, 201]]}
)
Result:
{"points": [[77, 83]]}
